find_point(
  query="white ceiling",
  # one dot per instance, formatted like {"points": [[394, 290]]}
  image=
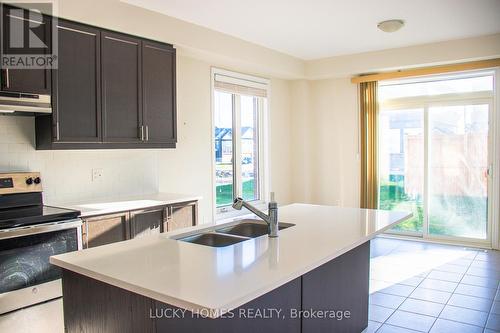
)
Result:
{"points": [[311, 29]]}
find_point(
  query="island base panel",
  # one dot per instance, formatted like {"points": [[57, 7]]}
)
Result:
{"points": [[94, 306], [339, 285], [285, 298]]}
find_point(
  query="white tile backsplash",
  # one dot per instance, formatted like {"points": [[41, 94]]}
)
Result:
{"points": [[67, 175]]}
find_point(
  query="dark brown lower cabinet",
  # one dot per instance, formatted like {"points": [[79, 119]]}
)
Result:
{"points": [[105, 229], [112, 228], [147, 221], [182, 215]]}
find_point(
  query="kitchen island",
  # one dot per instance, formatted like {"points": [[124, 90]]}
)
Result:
{"points": [[313, 278]]}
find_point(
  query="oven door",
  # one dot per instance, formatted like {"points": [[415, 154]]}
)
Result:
{"points": [[26, 276]]}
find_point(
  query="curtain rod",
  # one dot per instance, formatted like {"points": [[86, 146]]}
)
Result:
{"points": [[427, 71]]}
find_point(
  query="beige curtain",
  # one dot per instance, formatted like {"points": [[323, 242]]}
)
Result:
{"points": [[368, 138]]}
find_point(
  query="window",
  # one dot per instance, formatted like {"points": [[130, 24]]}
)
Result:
{"points": [[435, 154], [239, 119]]}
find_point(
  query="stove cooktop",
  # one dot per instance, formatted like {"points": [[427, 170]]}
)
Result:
{"points": [[36, 214]]}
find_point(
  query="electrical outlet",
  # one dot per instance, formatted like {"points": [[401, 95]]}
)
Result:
{"points": [[97, 174]]}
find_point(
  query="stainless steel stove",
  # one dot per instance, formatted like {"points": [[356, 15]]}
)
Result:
{"points": [[30, 233]]}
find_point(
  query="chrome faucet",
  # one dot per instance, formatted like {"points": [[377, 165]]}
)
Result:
{"points": [[271, 219]]}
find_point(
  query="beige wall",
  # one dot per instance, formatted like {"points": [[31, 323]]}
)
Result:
{"points": [[454, 51], [280, 134], [335, 103], [188, 168], [302, 139], [325, 167]]}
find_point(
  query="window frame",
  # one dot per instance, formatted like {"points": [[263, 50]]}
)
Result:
{"points": [[225, 212]]}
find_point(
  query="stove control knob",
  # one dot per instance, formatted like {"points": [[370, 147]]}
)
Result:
{"points": [[29, 181], [37, 180]]}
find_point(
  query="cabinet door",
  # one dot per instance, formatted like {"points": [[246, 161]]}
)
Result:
{"points": [[77, 84], [20, 23], [158, 72], [146, 222], [121, 88], [183, 215], [105, 230]]}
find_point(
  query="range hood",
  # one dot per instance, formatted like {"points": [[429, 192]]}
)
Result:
{"points": [[15, 102]]}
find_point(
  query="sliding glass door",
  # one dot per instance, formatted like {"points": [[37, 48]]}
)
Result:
{"points": [[435, 154], [458, 170], [401, 165]]}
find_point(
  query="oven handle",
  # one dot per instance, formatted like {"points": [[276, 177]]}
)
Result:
{"points": [[41, 228]]}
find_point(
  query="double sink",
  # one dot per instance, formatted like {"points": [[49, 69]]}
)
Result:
{"points": [[229, 235]]}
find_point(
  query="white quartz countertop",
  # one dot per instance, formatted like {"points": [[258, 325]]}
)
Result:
{"points": [[197, 277], [120, 204]]}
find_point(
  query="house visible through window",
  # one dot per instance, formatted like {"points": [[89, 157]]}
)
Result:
{"points": [[239, 117]]}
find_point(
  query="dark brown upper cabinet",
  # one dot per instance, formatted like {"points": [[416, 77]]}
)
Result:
{"points": [[158, 73], [77, 83], [110, 90], [37, 81], [121, 88]]}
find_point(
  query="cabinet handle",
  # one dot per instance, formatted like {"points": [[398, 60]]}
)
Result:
{"points": [[56, 130], [147, 133], [86, 235], [142, 132], [7, 79]]}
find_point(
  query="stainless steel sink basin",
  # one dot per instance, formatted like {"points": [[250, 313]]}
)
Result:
{"points": [[244, 230], [250, 228], [213, 239]]}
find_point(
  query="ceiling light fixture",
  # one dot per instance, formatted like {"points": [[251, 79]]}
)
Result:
{"points": [[391, 25]]}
